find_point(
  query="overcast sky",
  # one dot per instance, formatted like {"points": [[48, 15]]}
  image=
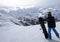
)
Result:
{"points": [[29, 3]]}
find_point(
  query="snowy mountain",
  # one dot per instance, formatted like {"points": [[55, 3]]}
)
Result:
{"points": [[27, 16], [21, 16]]}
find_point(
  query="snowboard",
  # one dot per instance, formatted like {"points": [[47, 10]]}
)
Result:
{"points": [[45, 31], [41, 22]]}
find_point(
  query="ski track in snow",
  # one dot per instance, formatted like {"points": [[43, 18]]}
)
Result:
{"points": [[16, 33]]}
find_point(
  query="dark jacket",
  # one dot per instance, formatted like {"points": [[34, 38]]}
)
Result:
{"points": [[51, 22]]}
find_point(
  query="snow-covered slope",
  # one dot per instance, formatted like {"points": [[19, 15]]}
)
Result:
{"points": [[16, 33]]}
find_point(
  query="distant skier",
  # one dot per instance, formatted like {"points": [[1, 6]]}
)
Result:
{"points": [[41, 21], [51, 25]]}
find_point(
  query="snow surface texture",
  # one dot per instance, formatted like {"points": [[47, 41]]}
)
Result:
{"points": [[10, 32]]}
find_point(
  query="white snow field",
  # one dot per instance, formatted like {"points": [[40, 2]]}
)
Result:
{"points": [[9, 32]]}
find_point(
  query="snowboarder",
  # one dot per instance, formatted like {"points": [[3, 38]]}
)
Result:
{"points": [[51, 25], [41, 21]]}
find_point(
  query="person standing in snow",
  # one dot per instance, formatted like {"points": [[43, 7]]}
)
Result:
{"points": [[41, 22], [51, 25]]}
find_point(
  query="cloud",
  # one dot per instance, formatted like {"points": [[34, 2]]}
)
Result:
{"points": [[18, 3], [44, 3], [29, 3]]}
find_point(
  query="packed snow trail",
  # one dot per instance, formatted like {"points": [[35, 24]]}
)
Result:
{"points": [[16, 33]]}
